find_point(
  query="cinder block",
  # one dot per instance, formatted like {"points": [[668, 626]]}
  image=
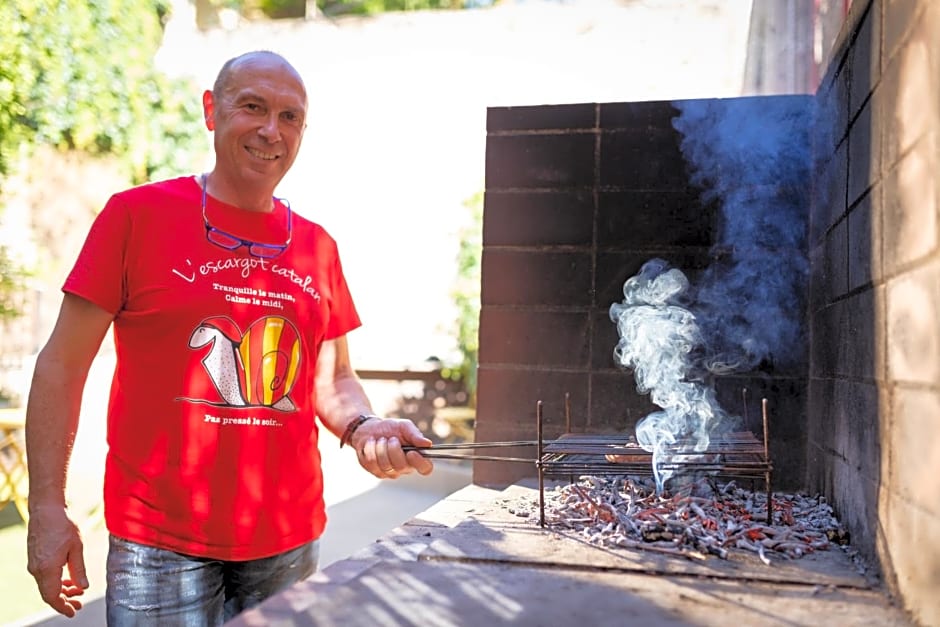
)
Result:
{"points": [[910, 85], [534, 338], [858, 427], [864, 154], [865, 59], [547, 117], [913, 325], [538, 218], [540, 161], [508, 397], [836, 261], [642, 158], [862, 342], [900, 18], [915, 452], [913, 542], [864, 240], [637, 115], [911, 208], [635, 219], [536, 278]]}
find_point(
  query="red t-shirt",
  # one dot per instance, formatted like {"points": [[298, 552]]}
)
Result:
{"points": [[211, 422]]}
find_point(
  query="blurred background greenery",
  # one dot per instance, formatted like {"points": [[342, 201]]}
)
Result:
{"points": [[78, 86]]}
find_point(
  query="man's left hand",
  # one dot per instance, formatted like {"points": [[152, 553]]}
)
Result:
{"points": [[379, 442]]}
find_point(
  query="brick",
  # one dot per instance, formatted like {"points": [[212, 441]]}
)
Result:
{"points": [[644, 159], [827, 333], [865, 60], [857, 427], [543, 218], [639, 218], [909, 86], [913, 312], [508, 396], [604, 338], [543, 117], [786, 418], [854, 500], [915, 452], [820, 431], [900, 17], [841, 87], [836, 262], [614, 268], [816, 293], [616, 406], [864, 154], [911, 206], [638, 115], [540, 338], [864, 243], [861, 347], [540, 161], [535, 278], [913, 535]]}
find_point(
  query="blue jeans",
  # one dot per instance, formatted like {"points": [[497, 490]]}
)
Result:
{"points": [[151, 586]]}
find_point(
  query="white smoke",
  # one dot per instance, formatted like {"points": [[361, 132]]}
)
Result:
{"points": [[753, 158]]}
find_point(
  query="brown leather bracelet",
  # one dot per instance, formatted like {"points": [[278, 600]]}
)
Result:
{"points": [[352, 426]]}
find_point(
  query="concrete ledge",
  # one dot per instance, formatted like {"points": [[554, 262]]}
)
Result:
{"points": [[468, 560]]}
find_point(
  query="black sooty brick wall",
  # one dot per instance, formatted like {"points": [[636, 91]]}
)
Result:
{"points": [[578, 197]]}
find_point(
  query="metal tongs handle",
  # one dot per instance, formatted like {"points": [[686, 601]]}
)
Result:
{"points": [[438, 451]]}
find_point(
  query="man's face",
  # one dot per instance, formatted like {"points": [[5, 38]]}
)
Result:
{"points": [[259, 120]]}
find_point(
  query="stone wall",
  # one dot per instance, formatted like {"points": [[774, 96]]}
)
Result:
{"points": [[874, 390]]}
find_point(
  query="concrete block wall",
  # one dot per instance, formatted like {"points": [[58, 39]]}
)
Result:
{"points": [[874, 392], [578, 198]]}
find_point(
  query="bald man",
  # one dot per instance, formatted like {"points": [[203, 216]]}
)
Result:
{"points": [[230, 316]]}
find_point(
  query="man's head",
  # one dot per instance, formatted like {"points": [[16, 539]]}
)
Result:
{"points": [[257, 110]]}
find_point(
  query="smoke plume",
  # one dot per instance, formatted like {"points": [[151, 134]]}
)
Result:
{"points": [[751, 157]]}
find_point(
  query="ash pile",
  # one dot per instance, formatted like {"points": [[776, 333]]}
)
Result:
{"points": [[698, 519]]}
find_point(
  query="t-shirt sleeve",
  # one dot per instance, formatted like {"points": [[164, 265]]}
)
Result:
{"points": [[343, 315], [98, 273]]}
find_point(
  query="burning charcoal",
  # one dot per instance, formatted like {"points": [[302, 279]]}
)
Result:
{"points": [[703, 519]]}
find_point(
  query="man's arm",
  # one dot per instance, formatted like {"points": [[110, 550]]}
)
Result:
{"points": [[55, 398], [377, 441]]}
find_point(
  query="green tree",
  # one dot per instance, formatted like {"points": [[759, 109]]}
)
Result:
{"points": [[466, 294], [79, 75]]}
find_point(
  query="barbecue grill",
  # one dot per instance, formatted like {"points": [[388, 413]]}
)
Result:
{"points": [[737, 454]]}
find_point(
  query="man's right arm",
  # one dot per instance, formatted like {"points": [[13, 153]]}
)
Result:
{"points": [[55, 398]]}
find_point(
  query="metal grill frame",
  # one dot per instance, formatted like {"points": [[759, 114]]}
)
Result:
{"points": [[737, 454]]}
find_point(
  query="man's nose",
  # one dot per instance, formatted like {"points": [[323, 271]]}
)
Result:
{"points": [[270, 129]]}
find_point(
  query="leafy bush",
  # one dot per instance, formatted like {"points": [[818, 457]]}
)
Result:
{"points": [[79, 75], [466, 294]]}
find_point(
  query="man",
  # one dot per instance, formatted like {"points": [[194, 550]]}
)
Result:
{"points": [[230, 316]]}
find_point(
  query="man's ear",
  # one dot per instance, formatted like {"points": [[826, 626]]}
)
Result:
{"points": [[208, 109]]}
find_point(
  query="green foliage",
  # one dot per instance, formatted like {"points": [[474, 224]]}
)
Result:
{"points": [[79, 75], [466, 294], [372, 7], [12, 277]]}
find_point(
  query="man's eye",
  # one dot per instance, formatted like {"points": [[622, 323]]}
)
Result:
{"points": [[251, 106]]}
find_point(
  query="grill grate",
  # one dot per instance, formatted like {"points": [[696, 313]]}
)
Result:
{"points": [[737, 454]]}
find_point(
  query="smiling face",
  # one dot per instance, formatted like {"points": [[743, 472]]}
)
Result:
{"points": [[257, 111]]}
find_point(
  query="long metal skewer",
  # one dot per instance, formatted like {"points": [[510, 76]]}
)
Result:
{"points": [[439, 451]]}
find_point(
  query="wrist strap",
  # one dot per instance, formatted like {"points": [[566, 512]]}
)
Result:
{"points": [[351, 428]]}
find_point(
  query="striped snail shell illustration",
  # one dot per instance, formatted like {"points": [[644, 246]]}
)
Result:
{"points": [[256, 368]]}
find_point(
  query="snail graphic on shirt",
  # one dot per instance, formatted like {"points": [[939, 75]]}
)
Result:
{"points": [[251, 369]]}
